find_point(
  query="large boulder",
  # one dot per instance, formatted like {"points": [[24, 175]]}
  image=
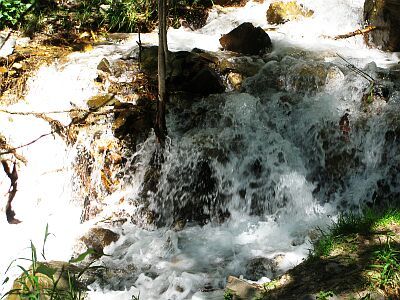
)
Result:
{"points": [[280, 12], [385, 15], [246, 39]]}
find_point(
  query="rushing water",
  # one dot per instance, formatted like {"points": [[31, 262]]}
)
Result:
{"points": [[266, 166]]}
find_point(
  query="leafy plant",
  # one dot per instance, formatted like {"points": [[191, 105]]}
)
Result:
{"points": [[228, 295], [325, 295], [11, 11], [49, 281]]}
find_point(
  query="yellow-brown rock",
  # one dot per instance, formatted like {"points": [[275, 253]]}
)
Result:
{"points": [[280, 12]]}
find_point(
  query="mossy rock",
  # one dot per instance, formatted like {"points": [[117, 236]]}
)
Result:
{"points": [[281, 12]]}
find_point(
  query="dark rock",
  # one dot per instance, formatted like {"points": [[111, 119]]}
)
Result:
{"points": [[385, 14], [205, 82], [246, 39], [149, 62], [260, 267], [190, 72], [132, 120]]}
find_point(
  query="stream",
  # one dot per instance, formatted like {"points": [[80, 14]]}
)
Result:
{"points": [[252, 175]]}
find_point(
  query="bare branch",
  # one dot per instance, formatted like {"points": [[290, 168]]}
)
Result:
{"points": [[356, 32], [27, 144]]}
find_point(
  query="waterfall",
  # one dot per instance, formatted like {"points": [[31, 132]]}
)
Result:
{"points": [[245, 175]]}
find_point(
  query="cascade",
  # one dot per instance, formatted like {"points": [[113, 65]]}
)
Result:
{"points": [[246, 175]]}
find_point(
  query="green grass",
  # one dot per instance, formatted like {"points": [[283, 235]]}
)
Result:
{"points": [[387, 268], [43, 280], [349, 224]]}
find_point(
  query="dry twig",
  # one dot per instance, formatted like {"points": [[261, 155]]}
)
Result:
{"points": [[356, 32]]}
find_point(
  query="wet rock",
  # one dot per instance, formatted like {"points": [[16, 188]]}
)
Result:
{"points": [[193, 73], [385, 14], [306, 77], [235, 79], [281, 12], [134, 121], [205, 82], [104, 65], [242, 289], [98, 101], [98, 239], [189, 72], [260, 267], [246, 66], [149, 62], [246, 39]]}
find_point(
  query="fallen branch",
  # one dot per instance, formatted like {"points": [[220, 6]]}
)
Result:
{"points": [[13, 175], [356, 32]]}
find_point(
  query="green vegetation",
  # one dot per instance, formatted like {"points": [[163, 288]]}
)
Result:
{"points": [[325, 295], [96, 15], [349, 225], [370, 239], [228, 295], [387, 267], [11, 11], [49, 280]]}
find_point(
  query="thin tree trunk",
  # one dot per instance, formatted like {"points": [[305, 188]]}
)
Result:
{"points": [[160, 124]]}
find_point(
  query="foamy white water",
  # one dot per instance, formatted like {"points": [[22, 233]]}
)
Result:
{"points": [[270, 179]]}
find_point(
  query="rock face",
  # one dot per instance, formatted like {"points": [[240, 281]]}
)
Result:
{"points": [[246, 39], [281, 12], [385, 14], [189, 72]]}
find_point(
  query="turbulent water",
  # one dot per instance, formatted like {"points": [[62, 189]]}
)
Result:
{"points": [[254, 173]]}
